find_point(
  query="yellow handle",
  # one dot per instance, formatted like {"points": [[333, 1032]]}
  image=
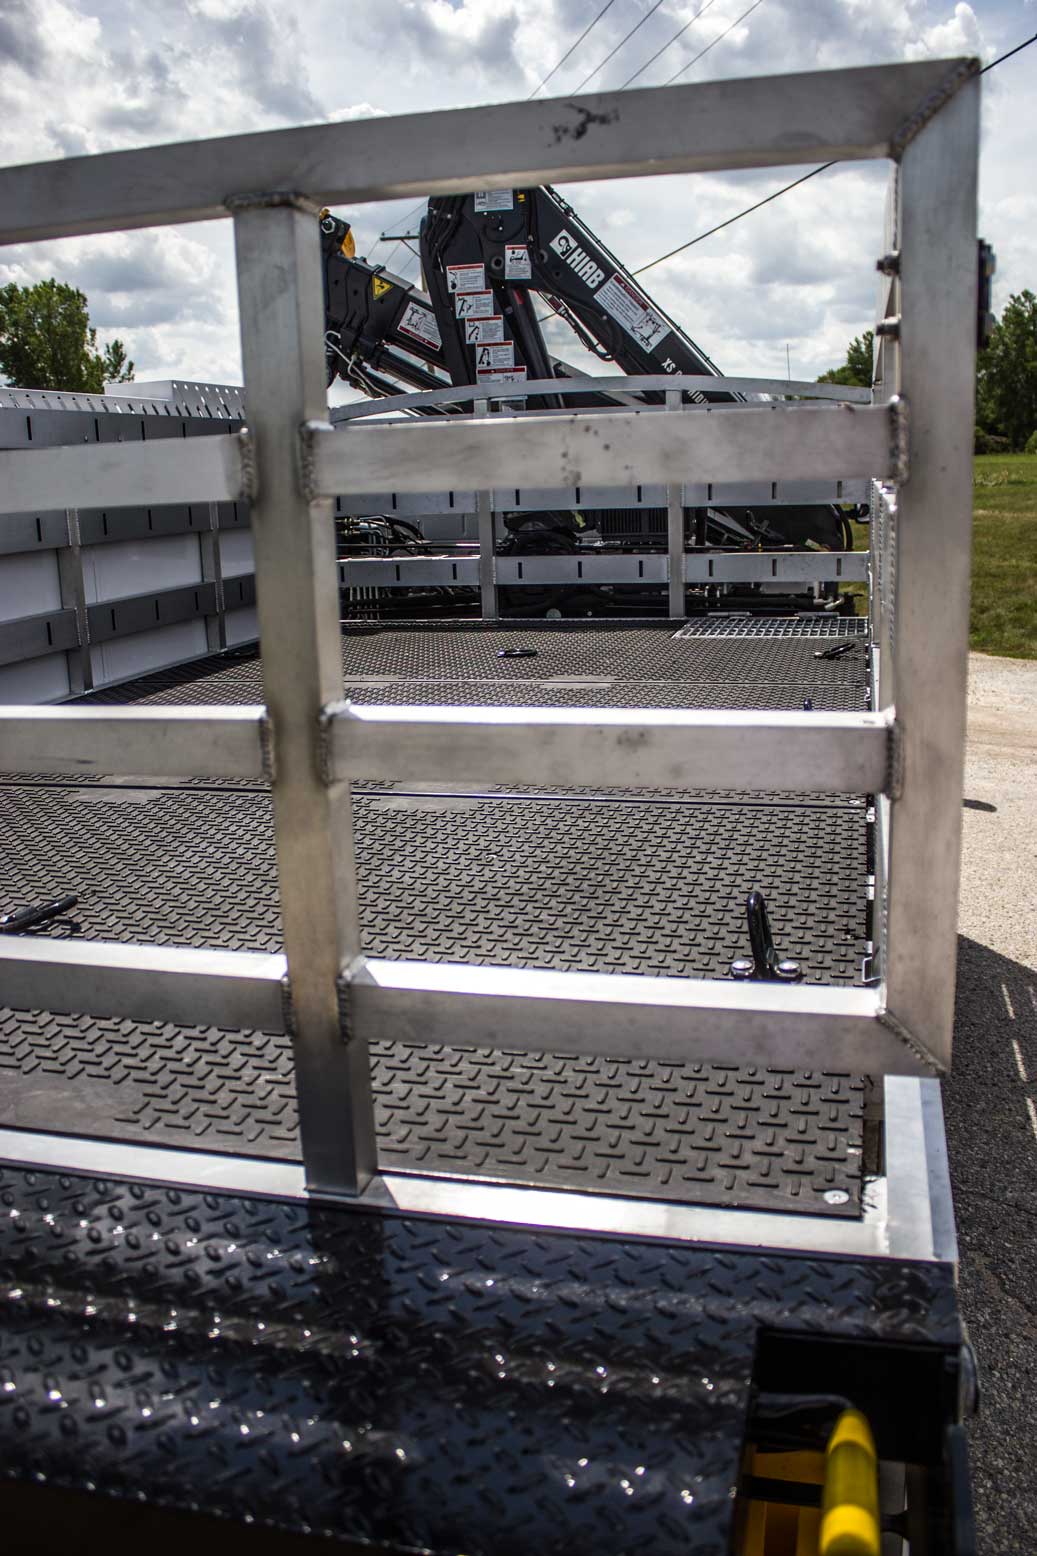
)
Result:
{"points": [[850, 1499]]}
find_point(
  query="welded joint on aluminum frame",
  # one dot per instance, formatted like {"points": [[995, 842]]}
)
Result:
{"points": [[325, 727], [267, 755], [287, 1006], [270, 200], [249, 489], [309, 433], [900, 431], [895, 761], [930, 106], [887, 1019], [344, 995]]}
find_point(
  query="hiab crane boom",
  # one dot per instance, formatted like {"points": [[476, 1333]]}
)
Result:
{"points": [[487, 258]]}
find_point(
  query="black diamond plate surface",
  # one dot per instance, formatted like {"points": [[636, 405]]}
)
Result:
{"points": [[424, 1385], [631, 887], [812, 626]]}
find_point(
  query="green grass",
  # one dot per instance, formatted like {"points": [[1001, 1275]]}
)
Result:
{"points": [[1004, 557]]}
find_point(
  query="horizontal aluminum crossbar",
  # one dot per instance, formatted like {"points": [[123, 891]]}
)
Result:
{"points": [[407, 572], [744, 443], [180, 984], [770, 121], [122, 475], [654, 748], [624, 1015], [608, 383], [157, 742]]}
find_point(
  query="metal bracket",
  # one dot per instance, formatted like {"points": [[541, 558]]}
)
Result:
{"points": [[899, 444], [309, 433]]}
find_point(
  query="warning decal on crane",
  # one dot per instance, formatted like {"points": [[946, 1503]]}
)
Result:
{"points": [[466, 278], [474, 305], [487, 200], [379, 286], [495, 356], [495, 375], [478, 332], [517, 264], [619, 298], [421, 324]]}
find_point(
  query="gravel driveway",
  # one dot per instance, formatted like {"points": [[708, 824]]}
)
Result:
{"points": [[991, 1099]]}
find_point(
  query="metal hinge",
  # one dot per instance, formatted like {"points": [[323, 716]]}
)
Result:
{"points": [[249, 489], [899, 439]]}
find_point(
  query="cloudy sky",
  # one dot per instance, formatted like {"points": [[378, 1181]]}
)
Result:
{"points": [[97, 75]]}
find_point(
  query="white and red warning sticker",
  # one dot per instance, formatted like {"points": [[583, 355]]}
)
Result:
{"points": [[480, 332], [495, 356], [517, 263], [466, 278], [487, 200], [474, 305], [501, 375], [420, 323], [620, 299]]}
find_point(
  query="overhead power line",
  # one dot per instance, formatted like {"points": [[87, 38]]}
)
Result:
{"points": [[574, 47], [1017, 50], [796, 181], [731, 219], [719, 39], [649, 13], [701, 12]]}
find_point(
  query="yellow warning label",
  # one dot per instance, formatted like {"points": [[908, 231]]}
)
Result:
{"points": [[380, 286]]}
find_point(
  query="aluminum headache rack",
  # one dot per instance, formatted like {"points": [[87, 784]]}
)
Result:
{"points": [[291, 462]]}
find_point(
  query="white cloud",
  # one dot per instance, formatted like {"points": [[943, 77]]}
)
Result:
{"points": [[79, 76]]}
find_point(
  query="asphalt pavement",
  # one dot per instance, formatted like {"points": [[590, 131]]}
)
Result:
{"points": [[990, 1100]]}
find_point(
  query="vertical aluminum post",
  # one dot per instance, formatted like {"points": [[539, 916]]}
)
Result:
{"points": [[938, 279], [677, 596], [488, 606], [212, 572], [72, 585], [281, 307]]}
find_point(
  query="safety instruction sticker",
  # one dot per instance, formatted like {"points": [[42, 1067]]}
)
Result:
{"points": [[495, 356], [517, 263], [421, 324], [487, 200], [466, 278], [474, 305], [619, 298], [501, 375], [380, 286], [479, 332]]}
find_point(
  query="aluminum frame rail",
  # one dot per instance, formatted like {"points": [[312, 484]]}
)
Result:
{"points": [[924, 116]]}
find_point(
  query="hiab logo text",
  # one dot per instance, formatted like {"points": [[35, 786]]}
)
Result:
{"points": [[566, 245]]}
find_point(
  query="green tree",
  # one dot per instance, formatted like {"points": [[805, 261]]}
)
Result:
{"points": [[46, 341], [857, 367], [1006, 386]]}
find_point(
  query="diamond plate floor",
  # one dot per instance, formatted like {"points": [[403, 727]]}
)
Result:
{"points": [[579, 880], [420, 1385]]}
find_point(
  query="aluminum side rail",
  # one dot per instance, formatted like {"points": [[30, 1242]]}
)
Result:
{"points": [[180, 984], [720, 443], [112, 475], [156, 742], [770, 121], [657, 383], [824, 753]]}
